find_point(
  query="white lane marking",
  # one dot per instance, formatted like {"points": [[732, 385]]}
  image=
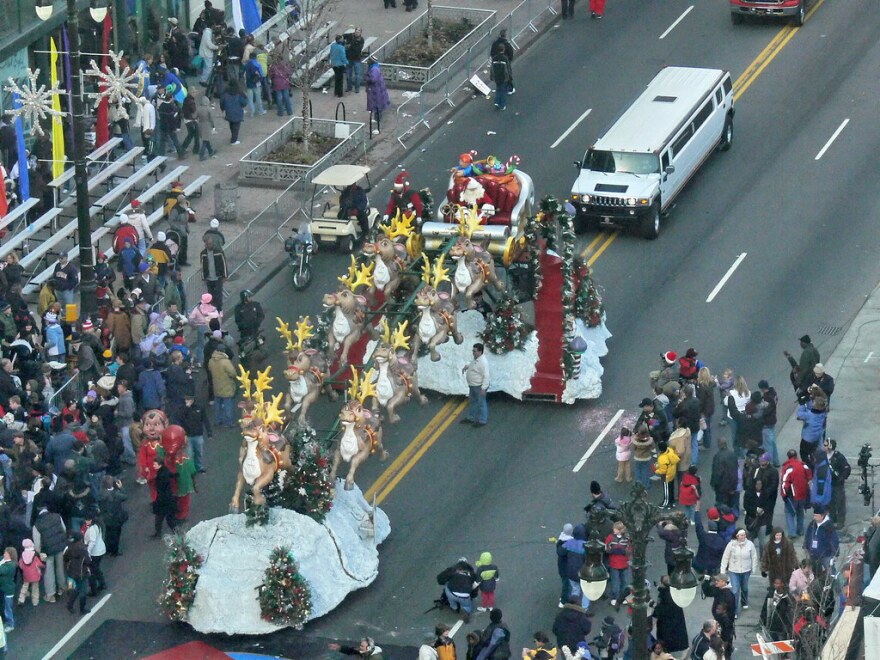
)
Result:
{"points": [[596, 442], [79, 624], [571, 128], [870, 355], [832, 139], [455, 628], [726, 277], [677, 21]]}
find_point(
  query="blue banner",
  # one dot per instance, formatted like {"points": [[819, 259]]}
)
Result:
{"points": [[250, 15], [24, 182]]}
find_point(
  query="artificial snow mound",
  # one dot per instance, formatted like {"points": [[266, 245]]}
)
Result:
{"points": [[512, 372], [588, 383], [336, 557]]}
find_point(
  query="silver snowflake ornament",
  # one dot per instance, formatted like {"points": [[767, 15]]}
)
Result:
{"points": [[34, 102], [118, 84]]}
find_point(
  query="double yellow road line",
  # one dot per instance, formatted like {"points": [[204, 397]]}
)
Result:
{"points": [[450, 410]]}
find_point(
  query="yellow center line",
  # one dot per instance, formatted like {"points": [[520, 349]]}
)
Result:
{"points": [[604, 247], [411, 448], [425, 447], [450, 410], [592, 244]]}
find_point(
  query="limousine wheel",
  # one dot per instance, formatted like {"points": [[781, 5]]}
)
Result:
{"points": [[726, 135], [651, 223]]}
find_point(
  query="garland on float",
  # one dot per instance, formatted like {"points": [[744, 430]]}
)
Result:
{"points": [[308, 490], [179, 586], [505, 330], [285, 596], [588, 305]]}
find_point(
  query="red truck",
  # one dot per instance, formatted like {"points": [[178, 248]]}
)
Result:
{"points": [[796, 10]]}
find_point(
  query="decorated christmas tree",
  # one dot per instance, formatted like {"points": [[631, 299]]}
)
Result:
{"points": [[285, 596], [179, 586], [307, 490], [588, 301], [505, 328]]}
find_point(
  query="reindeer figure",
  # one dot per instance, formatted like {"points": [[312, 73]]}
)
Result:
{"points": [[306, 372], [263, 452], [475, 267], [392, 256], [437, 319], [349, 318], [361, 429], [397, 379]]}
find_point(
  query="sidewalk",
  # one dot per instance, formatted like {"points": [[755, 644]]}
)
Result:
{"points": [[384, 150], [855, 365]]}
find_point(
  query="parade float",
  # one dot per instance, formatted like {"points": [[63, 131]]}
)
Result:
{"points": [[495, 267]]}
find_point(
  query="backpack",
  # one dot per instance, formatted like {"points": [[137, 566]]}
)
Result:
{"points": [[500, 68], [699, 646], [445, 651]]}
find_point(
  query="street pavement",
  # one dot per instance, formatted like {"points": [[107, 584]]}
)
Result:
{"points": [[806, 226]]}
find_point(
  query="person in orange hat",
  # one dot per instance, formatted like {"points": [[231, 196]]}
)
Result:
{"points": [[465, 165]]}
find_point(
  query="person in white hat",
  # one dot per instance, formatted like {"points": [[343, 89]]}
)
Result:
{"points": [[214, 232]]}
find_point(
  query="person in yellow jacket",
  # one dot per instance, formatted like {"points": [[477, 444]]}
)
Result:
{"points": [[667, 462], [543, 649]]}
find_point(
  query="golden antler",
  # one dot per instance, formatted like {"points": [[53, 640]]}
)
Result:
{"points": [[401, 225], [366, 388], [386, 331], [440, 274], [364, 276], [348, 279], [426, 269], [284, 330], [271, 412], [354, 383], [468, 221], [304, 331], [245, 380], [400, 339]]}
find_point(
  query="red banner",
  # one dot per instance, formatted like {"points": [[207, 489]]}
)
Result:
{"points": [[102, 128]]}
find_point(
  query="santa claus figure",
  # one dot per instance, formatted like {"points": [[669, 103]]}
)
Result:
{"points": [[474, 193], [153, 423], [404, 199], [181, 466]]}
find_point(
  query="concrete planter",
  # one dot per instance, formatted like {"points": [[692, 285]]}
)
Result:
{"points": [[255, 168], [400, 76]]}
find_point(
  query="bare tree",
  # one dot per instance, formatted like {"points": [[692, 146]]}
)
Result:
{"points": [[302, 49], [430, 28]]}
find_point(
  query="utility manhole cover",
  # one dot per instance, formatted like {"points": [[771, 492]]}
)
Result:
{"points": [[830, 330]]}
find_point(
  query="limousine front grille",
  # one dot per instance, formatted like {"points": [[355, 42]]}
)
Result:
{"points": [[763, 2], [603, 200]]}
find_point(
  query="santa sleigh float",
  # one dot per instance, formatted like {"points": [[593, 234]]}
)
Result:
{"points": [[544, 329]]}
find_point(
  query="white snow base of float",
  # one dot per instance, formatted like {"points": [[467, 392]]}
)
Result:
{"points": [[336, 557]]}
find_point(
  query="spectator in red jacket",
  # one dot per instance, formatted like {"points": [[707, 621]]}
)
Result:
{"points": [[795, 491], [619, 549], [689, 492]]}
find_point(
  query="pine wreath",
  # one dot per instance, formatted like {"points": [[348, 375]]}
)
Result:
{"points": [[285, 596], [505, 330], [179, 586]]}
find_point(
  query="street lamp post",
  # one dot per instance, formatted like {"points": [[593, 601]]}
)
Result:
{"points": [[87, 285], [640, 517]]}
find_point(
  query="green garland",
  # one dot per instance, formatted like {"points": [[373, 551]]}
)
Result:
{"points": [[588, 305], [308, 490], [318, 341], [179, 585], [257, 514], [285, 596], [505, 330]]}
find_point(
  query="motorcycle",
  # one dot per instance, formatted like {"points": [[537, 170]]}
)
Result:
{"points": [[300, 248]]}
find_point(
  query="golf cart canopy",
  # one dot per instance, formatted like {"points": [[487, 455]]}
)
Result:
{"points": [[340, 176]]}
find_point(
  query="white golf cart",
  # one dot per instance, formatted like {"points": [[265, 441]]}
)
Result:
{"points": [[326, 226]]}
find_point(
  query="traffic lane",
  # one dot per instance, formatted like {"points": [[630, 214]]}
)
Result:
{"points": [[550, 97], [477, 490]]}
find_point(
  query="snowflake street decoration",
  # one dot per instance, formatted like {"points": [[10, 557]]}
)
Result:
{"points": [[34, 103], [117, 85]]}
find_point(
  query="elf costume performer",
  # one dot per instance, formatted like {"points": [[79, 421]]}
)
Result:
{"points": [[153, 423], [180, 465]]}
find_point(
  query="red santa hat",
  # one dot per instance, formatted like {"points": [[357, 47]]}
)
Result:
{"points": [[670, 357], [713, 513], [402, 181], [466, 158], [88, 325], [135, 203]]}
